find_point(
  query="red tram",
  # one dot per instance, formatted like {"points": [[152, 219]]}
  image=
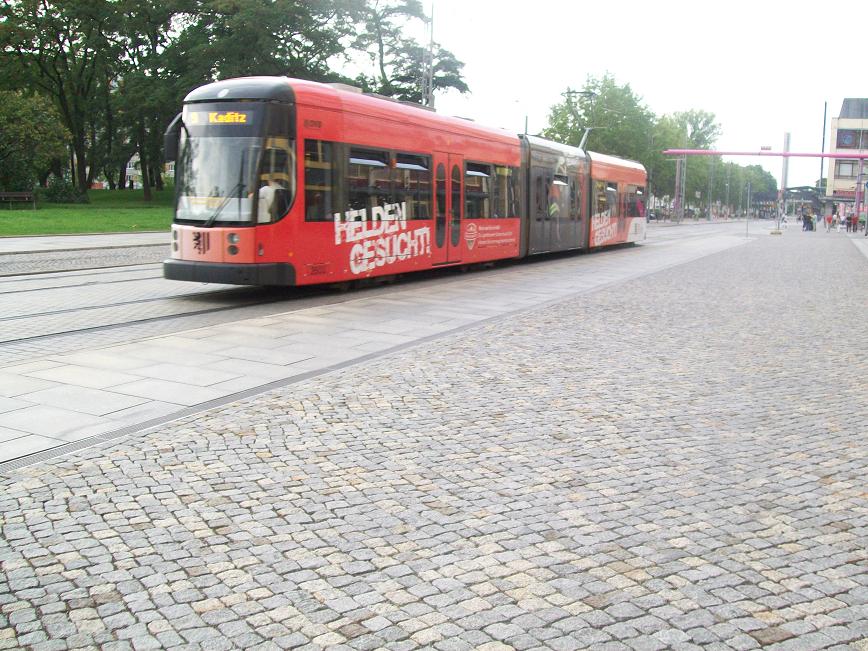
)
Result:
{"points": [[289, 182]]}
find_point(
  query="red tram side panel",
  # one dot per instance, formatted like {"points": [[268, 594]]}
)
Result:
{"points": [[380, 188], [617, 201]]}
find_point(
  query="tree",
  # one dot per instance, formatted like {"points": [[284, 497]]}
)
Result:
{"points": [[667, 134], [147, 92], [400, 62], [236, 38], [31, 139], [117, 70], [409, 69], [381, 36], [66, 49], [700, 127], [620, 123]]}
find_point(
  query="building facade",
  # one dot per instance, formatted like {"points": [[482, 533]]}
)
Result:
{"points": [[849, 135]]}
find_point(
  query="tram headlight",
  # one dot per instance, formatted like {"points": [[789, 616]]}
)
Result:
{"points": [[233, 250], [232, 238]]}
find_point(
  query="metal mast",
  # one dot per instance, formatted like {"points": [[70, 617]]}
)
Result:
{"points": [[428, 72]]}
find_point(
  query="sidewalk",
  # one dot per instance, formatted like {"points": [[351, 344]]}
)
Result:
{"points": [[78, 242], [674, 461]]}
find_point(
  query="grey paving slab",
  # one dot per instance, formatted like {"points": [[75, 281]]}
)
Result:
{"points": [[84, 376], [166, 391], [153, 351], [110, 359], [88, 430], [191, 340], [12, 384], [143, 412], [297, 352], [249, 368], [38, 365], [195, 375], [283, 355], [10, 404], [27, 444], [372, 347], [82, 399], [7, 434], [242, 332], [47, 420], [239, 384]]}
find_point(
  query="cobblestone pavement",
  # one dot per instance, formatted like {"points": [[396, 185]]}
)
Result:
{"points": [[677, 461]]}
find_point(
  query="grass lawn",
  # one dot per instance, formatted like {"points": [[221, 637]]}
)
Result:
{"points": [[109, 211]]}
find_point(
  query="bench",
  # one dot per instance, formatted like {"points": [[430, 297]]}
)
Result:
{"points": [[18, 197]]}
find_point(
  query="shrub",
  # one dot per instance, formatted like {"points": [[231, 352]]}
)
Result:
{"points": [[60, 190]]}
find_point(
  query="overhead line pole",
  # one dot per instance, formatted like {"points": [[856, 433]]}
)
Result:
{"points": [[823, 146]]}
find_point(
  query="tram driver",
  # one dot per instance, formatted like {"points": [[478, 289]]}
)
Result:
{"points": [[275, 180]]}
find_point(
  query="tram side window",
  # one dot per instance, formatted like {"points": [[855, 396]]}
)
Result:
{"points": [[614, 199], [413, 184], [635, 201], [319, 180], [540, 194], [477, 191], [276, 180], [369, 180], [558, 200], [575, 201], [602, 206], [505, 199]]}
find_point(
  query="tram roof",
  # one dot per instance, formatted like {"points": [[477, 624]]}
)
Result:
{"points": [[244, 88], [568, 150], [614, 160]]}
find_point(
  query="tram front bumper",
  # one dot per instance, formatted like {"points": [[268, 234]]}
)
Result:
{"points": [[275, 273]]}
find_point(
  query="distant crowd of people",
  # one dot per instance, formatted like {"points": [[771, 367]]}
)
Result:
{"points": [[832, 222]]}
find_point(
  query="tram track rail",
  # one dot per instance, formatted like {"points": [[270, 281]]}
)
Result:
{"points": [[47, 315], [119, 314], [133, 322], [106, 306], [26, 278]]}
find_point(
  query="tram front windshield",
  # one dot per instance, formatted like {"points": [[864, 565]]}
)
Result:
{"points": [[232, 157]]}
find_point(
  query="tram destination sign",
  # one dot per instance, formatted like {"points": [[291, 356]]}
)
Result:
{"points": [[219, 118]]}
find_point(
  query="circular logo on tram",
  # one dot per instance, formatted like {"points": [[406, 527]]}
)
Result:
{"points": [[470, 235]]}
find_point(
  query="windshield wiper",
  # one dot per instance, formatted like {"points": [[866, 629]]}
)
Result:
{"points": [[229, 195]]}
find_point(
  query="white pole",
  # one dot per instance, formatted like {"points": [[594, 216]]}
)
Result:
{"points": [[747, 215], [783, 208]]}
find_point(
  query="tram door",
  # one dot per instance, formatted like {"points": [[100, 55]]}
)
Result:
{"points": [[448, 208], [541, 224]]}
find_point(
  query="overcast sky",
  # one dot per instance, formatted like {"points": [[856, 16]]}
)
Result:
{"points": [[763, 68]]}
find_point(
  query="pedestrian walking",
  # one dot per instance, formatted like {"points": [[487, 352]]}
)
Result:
{"points": [[828, 223]]}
